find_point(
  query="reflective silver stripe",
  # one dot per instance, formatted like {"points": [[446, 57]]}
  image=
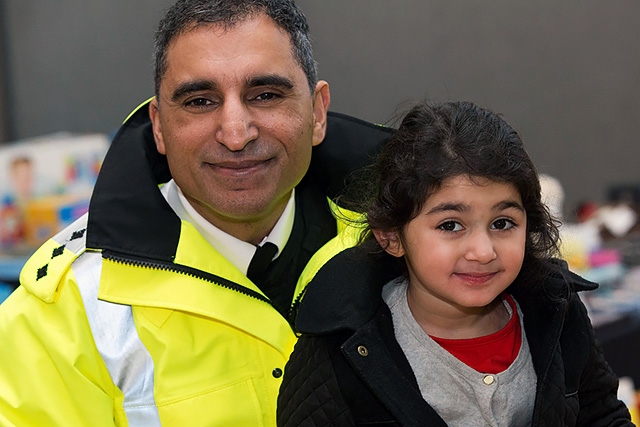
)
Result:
{"points": [[73, 236], [127, 359]]}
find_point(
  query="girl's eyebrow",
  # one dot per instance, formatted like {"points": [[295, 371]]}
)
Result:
{"points": [[447, 206], [508, 204], [461, 207]]}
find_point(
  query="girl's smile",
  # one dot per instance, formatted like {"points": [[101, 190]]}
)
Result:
{"points": [[475, 278]]}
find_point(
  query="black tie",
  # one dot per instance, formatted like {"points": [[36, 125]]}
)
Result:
{"points": [[261, 260]]}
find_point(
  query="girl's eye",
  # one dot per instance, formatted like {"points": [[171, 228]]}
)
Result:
{"points": [[503, 224], [450, 226]]}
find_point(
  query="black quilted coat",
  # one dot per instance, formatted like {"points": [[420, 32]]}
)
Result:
{"points": [[347, 368]]}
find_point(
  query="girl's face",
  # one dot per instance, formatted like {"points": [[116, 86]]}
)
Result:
{"points": [[465, 247]]}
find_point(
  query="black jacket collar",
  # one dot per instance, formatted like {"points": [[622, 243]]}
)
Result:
{"points": [[129, 215], [345, 292]]}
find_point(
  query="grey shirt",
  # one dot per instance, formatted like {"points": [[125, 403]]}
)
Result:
{"points": [[461, 395]]}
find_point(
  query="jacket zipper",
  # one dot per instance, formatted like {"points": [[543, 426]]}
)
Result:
{"points": [[187, 271], [293, 310]]}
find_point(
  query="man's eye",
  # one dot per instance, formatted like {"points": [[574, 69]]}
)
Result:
{"points": [[450, 226], [503, 224], [266, 96], [198, 102]]}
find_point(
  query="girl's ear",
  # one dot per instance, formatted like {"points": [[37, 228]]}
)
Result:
{"points": [[390, 242]]}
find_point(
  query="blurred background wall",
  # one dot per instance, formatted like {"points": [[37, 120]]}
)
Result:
{"points": [[4, 114], [565, 74]]}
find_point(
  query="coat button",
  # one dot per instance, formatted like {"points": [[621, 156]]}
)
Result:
{"points": [[277, 373], [488, 379], [363, 351]]}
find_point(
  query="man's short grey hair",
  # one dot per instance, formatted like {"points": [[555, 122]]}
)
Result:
{"points": [[185, 15]]}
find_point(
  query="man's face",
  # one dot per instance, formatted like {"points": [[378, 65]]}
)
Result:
{"points": [[236, 120]]}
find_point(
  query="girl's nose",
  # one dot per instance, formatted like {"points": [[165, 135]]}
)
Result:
{"points": [[480, 248]]}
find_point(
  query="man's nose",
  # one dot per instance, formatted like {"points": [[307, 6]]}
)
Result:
{"points": [[480, 248], [235, 127]]}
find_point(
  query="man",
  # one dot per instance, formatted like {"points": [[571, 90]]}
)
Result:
{"points": [[150, 310]]}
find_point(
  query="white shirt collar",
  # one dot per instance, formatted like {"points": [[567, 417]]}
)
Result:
{"points": [[236, 251]]}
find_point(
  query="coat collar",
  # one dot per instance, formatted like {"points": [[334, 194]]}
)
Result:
{"points": [[346, 292], [128, 214]]}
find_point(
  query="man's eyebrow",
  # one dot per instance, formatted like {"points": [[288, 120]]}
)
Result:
{"points": [[186, 88], [272, 80]]}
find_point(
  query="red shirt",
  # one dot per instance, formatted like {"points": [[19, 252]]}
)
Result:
{"points": [[490, 354]]}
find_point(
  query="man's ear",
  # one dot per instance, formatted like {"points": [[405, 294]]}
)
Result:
{"points": [[390, 242], [154, 115], [321, 100]]}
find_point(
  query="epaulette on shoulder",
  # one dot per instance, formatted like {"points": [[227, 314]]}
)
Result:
{"points": [[42, 272]]}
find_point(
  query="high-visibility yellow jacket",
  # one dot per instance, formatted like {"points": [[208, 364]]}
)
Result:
{"points": [[128, 317]]}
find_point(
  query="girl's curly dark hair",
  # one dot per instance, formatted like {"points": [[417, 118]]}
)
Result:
{"points": [[439, 141]]}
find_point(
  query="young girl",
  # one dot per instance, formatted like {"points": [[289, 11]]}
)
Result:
{"points": [[452, 311]]}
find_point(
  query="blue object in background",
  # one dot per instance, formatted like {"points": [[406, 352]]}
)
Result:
{"points": [[9, 273], [5, 291]]}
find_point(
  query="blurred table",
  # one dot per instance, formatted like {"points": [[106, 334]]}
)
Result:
{"points": [[620, 341], [615, 314]]}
